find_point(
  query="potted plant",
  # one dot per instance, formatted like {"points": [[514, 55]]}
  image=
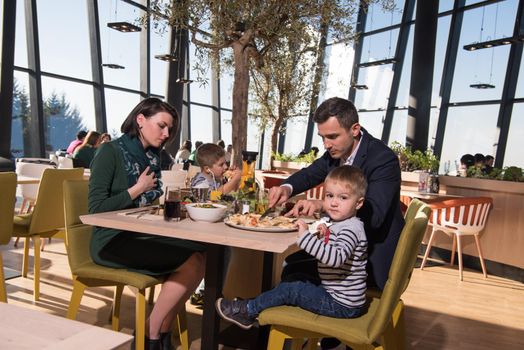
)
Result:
{"points": [[290, 162]]}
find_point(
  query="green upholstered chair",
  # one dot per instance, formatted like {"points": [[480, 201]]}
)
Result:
{"points": [[7, 209], [88, 274], [382, 326], [46, 219]]}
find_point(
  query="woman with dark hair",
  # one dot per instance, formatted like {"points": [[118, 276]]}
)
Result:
{"points": [[125, 173]]}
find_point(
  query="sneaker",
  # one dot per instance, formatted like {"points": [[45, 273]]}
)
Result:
{"points": [[197, 299], [235, 311]]}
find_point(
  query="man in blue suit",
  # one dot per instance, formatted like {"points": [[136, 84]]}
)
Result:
{"points": [[346, 142]]}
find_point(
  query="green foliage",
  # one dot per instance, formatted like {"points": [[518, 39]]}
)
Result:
{"points": [[306, 158], [511, 173], [415, 160]]}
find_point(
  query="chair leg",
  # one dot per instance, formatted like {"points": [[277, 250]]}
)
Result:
{"points": [[140, 319], [25, 259], [36, 272], [481, 257], [151, 299], [3, 291], [395, 335], [76, 298], [453, 250], [428, 249], [182, 329], [296, 344], [115, 312], [16, 242], [276, 339], [459, 248]]}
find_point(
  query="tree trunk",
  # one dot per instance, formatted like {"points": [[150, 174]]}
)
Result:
{"points": [[240, 101]]}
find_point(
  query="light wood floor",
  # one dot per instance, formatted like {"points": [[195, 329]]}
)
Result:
{"points": [[441, 311]]}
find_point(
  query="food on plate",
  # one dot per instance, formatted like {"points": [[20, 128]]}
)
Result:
{"points": [[205, 205], [253, 220]]}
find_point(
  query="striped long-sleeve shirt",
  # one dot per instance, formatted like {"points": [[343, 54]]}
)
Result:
{"points": [[341, 261]]}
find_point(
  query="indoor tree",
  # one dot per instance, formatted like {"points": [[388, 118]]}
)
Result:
{"points": [[242, 33]]}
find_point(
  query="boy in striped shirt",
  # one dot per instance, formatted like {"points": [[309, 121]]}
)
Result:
{"points": [[341, 252]]}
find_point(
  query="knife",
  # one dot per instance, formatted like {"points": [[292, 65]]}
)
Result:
{"points": [[266, 213], [146, 209]]}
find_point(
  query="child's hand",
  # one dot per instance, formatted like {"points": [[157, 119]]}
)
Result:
{"points": [[302, 227], [323, 231], [235, 175]]}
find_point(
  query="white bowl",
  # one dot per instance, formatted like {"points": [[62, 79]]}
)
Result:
{"points": [[198, 213]]}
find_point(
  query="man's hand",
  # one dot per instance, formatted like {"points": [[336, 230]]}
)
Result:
{"points": [[278, 195], [305, 208]]}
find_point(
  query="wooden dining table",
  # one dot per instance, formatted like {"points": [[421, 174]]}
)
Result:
{"points": [[216, 236]]}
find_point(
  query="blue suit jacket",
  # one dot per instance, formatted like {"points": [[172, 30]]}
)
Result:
{"points": [[383, 220]]}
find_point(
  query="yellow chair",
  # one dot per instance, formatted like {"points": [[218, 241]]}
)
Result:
{"points": [[88, 274], [381, 327], [46, 219], [7, 209]]}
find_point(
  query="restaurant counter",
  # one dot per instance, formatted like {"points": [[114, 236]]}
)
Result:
{"points": [[503, 237]]}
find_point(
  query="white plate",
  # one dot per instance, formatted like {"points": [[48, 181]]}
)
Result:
{"points": [[261, 229]]}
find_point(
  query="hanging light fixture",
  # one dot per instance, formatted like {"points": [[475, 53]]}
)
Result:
{"points": [[113, 66], [359, 86], [390, 60], [124, 27], [487, 44], [178, 53]]}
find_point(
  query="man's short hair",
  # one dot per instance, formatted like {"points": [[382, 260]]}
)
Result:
{"points": [[350, 176], [81, 134], [344, 110], [208, 154]]}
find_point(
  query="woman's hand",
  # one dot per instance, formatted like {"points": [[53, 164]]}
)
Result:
{"points": [[305, 208], [144, 183]]}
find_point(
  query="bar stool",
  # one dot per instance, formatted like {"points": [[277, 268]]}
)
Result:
{"points": [[459, 217]]}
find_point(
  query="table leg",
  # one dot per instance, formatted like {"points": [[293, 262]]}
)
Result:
{"points": [[267, 282], [212, 291]]}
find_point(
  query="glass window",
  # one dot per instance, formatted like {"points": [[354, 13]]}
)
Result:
{"points": [[159, 69], [373, 122], [118, 47], [471, 129], [64, 43], [199, 91], [68, 108], [513, 155], [440, 55], [20, 128], [338, 78], [378, 17], [295, 135], [253, 136], [118, 106], [379, 46], [445, 5], [378, 80], [20, 36], [226, 90], [201, 124], [225, 127], [483, 65]]}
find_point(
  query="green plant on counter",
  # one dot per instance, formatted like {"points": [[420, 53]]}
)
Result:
{"points": [[306, 158], [415, 160], [511, 173]]}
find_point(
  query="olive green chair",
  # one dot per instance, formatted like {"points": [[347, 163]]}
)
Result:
{"points": [[381, 327], [47, 218], [7, 209], [88, 274]]}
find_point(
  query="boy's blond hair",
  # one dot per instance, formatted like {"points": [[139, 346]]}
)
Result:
{"points": [[350, 176], [208, 154]]}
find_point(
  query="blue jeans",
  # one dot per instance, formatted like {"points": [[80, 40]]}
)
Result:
{"points": [[305, 295]]}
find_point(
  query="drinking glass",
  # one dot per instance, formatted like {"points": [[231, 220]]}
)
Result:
{"points": [[172, 204]]}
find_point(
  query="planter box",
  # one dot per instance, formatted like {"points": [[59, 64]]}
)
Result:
{"points": [[290, 167]]}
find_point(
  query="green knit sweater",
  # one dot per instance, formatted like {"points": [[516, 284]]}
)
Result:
{"points": [[108, 186]]}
